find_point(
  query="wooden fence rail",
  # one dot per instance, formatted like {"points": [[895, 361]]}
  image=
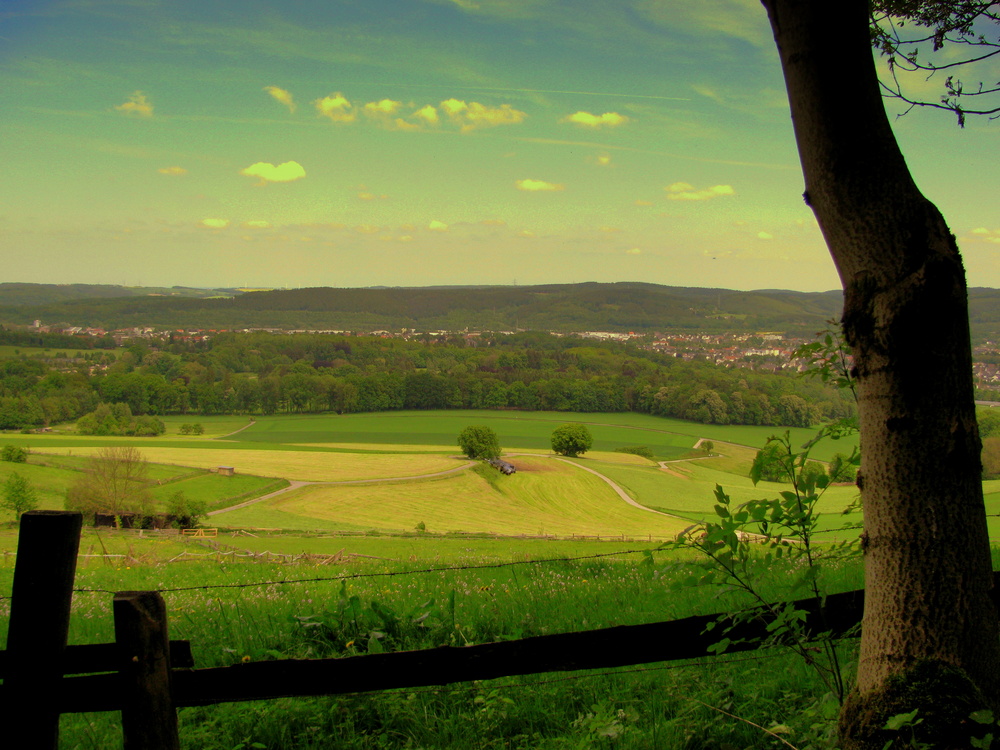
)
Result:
{"points": [[148, 677]]}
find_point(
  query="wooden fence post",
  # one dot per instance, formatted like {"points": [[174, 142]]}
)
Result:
{"points": [[149, 719], [42, 591]]}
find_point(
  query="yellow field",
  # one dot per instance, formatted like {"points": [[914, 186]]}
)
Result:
{"points": [[309, 466], [544, 497], [396, 448]]}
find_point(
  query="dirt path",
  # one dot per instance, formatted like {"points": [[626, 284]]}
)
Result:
{"points": [[247, 426]]}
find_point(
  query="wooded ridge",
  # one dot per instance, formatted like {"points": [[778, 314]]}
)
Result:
{"points": [[626, 306], [622, 306]]}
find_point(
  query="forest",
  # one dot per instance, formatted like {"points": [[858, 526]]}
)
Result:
{"points": [[263, 373]]}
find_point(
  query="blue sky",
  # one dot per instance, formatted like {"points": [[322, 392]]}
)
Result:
{"points": [[419, 142]]}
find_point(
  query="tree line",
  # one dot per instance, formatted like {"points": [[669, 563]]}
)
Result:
{"points": [[289, 374]]}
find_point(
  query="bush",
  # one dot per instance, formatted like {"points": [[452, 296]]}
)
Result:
{"points": [[479, 442], [18, 495], [185, 512], [571, 440], [771, 463], [843, 468], [991, 458], [989, 422], [14, 453], [117, 419]]}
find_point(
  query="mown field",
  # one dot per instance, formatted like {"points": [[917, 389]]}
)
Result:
{"points": [[388, 539], [414, 473]]}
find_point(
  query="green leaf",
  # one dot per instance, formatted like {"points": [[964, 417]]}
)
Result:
{"points": [[897, 722]]}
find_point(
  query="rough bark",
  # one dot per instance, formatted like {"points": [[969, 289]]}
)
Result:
{"points": [[927, 558]]}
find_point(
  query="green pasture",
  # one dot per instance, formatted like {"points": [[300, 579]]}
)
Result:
{"points": [[516, 430], [232, 613], [545, 496], [52, 475], [422, 549], [214, 490], [668, 438], [434, 432]]}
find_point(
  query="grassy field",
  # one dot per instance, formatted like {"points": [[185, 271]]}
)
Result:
{"points": [[437, 560], [545, 496], [256, 611]]}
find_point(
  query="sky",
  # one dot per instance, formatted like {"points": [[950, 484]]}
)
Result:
{"points": [[348, 143]]}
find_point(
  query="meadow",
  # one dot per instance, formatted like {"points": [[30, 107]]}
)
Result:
{"points": [[389, 539]]}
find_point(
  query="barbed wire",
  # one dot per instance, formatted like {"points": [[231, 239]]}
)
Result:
{"points": [[381, 574]]}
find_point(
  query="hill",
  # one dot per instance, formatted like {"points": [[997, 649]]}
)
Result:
{"points": [[623, 306]]}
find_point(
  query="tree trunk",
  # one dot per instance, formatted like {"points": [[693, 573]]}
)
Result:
{"points": [[930, 637]]}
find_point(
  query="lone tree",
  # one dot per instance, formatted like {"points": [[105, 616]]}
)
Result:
{"points": [[929, 619], [114, 483], [571, 440], [479, 442], [18, 495]]}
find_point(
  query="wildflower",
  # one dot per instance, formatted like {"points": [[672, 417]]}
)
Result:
{"points": [[245, 659]]}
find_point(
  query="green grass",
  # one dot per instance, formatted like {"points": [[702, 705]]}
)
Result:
{"points": [[214, 489], [545, 496], [411, 609], [407, 610], [516, 430]]}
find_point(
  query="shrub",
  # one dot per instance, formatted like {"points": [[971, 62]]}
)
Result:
{"points": [[185, 512], [14, 453], [18, 495], [991, 458]]}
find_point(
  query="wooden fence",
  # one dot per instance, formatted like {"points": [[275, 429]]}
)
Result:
{"points": [[147, 677]]}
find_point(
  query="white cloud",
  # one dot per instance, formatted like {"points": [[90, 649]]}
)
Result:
{"points": [[437, 226], [137, 105], [337, 107], [982, 234], [427, 114], [474, 115], [288, 171], [383, 108], [173, 171], [532, 186], [683, 191], [588, 120], [281, 95], [215, 223]]}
